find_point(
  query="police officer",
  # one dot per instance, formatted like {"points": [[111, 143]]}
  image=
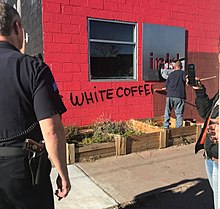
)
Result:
{"points": [[30, 107]]}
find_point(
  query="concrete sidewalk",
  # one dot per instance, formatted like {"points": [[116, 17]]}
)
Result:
{"points": [[110, 182]]}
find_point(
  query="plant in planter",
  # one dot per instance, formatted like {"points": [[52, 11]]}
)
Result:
{"points": [[76, 134], [72, 134], [107, 138], [105, 130]]}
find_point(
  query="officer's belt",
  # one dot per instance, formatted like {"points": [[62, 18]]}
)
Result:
{"points": [[12, 151]]}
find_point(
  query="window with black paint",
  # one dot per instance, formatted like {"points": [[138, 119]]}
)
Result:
{"points": [[112, 50]]}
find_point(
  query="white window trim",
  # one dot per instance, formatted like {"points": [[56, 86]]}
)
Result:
{"points": [[135, 58]]}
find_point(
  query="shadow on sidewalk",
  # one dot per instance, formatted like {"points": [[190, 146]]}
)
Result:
{"points": [[189, 194]]}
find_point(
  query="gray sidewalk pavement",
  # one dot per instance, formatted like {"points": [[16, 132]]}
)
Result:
{"points": [[113, 181]]}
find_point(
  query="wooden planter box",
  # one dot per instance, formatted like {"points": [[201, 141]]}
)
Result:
{"points": [[121, 146], [89, 152], [141, 142], [186, 134], [182, 135], [143, 126], [154, 138]]}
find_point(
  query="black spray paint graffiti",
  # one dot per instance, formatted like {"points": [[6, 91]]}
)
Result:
{"points": [[108, 94]]}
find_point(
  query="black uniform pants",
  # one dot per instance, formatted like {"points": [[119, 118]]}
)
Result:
{"points": [[16, 189]]}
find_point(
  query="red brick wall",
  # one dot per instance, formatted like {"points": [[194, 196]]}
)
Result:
{"points": [[66, 51]]}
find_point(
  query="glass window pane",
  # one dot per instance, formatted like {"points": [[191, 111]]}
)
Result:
{"points": [[111, 60], [111, 31]]}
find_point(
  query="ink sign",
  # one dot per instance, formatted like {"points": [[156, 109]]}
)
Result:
{"points": [[162, 46]]}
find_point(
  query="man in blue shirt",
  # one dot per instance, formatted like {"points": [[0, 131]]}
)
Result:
{"points": [[176, 94]]}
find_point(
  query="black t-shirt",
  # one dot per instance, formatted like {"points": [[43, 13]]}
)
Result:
{"points": [[175, 84], [28, 93]]}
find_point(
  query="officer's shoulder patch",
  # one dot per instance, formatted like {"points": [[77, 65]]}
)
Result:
{"points": [[55, 88]]}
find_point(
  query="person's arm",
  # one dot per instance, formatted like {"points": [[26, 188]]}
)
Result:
{"points": [[202, 101], [213, 129], [54, 137]]}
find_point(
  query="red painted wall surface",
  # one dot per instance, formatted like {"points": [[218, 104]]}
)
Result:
{"points": [[65, 40]]}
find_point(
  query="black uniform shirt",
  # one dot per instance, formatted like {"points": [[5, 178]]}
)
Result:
{"points": [[211, 148], [28, 93]]}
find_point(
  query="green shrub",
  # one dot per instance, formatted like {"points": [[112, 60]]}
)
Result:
{"points": [[72, 134], [103, 131]]}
